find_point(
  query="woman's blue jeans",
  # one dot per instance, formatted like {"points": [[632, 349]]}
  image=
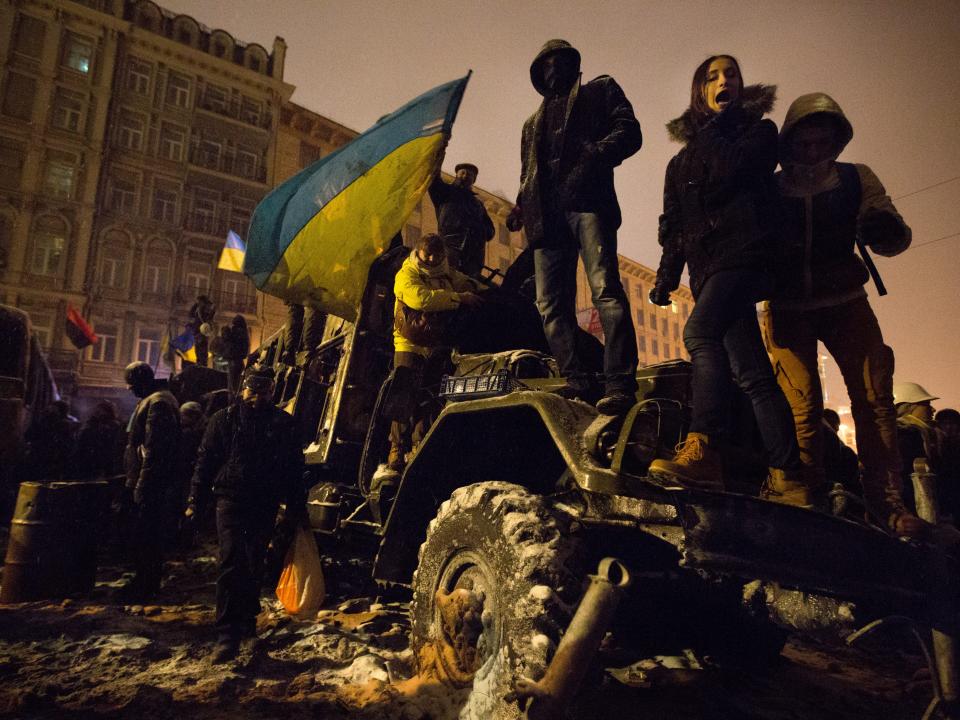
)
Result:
{"points": [[723, 339]]}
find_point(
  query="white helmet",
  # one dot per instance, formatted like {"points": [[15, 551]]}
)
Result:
{"points": [[909, 392]]}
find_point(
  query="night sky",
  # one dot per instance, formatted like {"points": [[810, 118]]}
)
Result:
{"points": [[891, 65]]}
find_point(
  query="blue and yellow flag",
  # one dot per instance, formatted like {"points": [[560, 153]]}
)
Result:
{"points": [[233, 251], [313, 238]]}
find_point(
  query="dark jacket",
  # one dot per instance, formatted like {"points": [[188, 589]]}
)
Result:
{"points": [[253, 457], [99, 449], [463, 222], [151, 455], [600, 132], [825, 210], [719, 196]]}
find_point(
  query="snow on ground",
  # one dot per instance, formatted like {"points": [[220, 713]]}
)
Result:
{"points": [[98, 658]]}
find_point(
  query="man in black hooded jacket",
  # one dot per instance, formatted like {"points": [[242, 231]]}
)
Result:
{"points": [[251, 459], [568, 206]]}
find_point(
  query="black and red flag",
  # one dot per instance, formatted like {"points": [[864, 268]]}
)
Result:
{"points": [[78, 330]]}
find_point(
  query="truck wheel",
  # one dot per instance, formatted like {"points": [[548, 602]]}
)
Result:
{"points": [[497, 581]]}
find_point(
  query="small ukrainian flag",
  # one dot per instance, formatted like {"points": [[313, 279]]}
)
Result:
{"points": [[233, 252]]}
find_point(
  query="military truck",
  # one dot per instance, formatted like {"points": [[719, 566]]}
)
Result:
{"points": [[516, 495]]}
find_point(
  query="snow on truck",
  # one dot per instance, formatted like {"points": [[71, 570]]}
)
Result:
{"points": [[526, 529]]}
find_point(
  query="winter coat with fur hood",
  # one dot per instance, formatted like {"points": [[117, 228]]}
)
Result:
{"points": [[600, 131], [719, 197]]}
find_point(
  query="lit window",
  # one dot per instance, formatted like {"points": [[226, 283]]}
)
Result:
{"points": [[78, 54], [138, 76], [67, 110], [105, 350], [178, 90]]}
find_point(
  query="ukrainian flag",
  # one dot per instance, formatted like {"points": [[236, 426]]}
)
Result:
{"points": [[313, 238], [233, 251]]}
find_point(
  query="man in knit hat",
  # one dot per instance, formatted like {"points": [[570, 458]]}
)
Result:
{"points": [[462, 219], [567, 203]]}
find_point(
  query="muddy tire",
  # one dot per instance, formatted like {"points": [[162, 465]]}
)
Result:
{"points": [[497, 582]]}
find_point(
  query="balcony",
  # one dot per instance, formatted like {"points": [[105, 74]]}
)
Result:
{"points": [[234, 111], [221, 163]]}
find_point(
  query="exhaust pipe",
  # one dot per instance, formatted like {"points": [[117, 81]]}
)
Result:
{"points": [[553, 692]]}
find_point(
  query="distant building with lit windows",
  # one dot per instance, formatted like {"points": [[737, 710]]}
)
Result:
{"points": [[659, 329]]}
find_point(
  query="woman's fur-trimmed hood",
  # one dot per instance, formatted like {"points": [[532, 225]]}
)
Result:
{"points": [[755, 101]]}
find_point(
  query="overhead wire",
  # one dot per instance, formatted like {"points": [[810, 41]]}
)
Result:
{"points": [[929, 187]]}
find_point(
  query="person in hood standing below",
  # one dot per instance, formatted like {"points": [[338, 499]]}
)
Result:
{"points": [[827, 206], [719, 218], [462, 219], [251, 460], [151, 464], [568, 205]]}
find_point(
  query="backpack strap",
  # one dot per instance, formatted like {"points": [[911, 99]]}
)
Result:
{"points": [[853, 192]]}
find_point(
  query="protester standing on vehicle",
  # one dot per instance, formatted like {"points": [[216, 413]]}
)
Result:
{"points": [[567, 203], [151, 465], [200, 323], [830, 207], [427, 293], [719, 206], [251, 461], [462, 219]]}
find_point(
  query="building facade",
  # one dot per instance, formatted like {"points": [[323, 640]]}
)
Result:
{"points": [[133, 139]]}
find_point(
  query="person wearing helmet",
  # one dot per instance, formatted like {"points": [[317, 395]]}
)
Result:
{"points": [[567, 203], [151, 466], [917, 436]]}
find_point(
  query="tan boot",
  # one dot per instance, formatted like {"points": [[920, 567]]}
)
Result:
{"points": [[801, 487], [884, 502], [696, 465]]}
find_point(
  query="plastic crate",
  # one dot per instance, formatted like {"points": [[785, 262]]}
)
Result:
{"points": [[472, 387]]}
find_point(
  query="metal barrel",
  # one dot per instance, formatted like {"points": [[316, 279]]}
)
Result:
{"points": [[52, 549]]}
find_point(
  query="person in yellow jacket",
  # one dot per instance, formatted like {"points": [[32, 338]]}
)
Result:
{"points": [[428, 292]]}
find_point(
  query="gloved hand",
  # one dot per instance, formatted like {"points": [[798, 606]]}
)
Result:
{"points": [[515, 219], [877, 227], [191, 512], [659, 295]]}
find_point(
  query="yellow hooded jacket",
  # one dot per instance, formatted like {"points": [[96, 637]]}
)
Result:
{"points": [[429, 290]]}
